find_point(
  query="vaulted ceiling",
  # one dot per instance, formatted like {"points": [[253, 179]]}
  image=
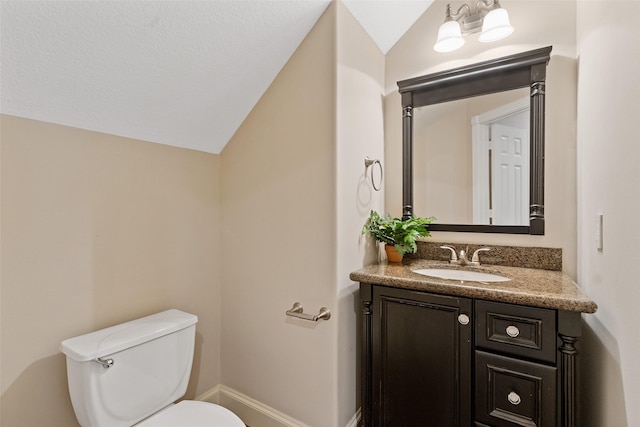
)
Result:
{"points": [[181, 73]]}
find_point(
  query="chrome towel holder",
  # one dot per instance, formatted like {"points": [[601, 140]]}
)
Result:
{"points": [[372, 162], [297, 311]]}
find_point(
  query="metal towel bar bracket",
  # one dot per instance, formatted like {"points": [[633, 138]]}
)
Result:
{"points": [[297, 311]]}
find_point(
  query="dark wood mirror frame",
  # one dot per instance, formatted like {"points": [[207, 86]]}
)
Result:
{"points": [[497, 75]]}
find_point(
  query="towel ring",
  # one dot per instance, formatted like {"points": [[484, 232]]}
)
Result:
{"points": [[371, 162]]}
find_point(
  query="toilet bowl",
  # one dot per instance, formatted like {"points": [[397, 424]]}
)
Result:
{"points": [[132, 373], [190, 413]]}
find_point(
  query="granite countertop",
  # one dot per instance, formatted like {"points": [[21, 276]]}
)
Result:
{"points": [[528, 286]]}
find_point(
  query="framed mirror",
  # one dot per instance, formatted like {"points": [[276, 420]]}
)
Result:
{"points": [[473, 145]]}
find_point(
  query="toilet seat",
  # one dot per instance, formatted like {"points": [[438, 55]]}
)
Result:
{"points": [[191, 413]]}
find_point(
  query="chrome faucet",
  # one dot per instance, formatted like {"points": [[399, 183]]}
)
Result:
{"points": [[462, 258]]}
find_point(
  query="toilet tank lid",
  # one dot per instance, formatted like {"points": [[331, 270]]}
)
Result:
{"points": [[125, 335]]}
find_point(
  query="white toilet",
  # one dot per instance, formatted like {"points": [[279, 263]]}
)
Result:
{"points": [[130, 374]]}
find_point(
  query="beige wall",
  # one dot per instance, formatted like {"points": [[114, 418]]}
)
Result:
{"points": [[295, 199], [442, 166], [360, 134], [96, 230], [536, 26], [608, 153], [279, 215]]}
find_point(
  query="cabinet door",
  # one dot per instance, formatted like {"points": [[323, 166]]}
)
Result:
{"points": [[421, 359]]}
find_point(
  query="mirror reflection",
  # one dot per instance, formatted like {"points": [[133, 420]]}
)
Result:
{"points": [[498, 183], [471, 159]]}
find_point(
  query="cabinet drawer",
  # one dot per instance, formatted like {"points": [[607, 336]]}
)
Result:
{"points": [[517, 330], [511, 392]]}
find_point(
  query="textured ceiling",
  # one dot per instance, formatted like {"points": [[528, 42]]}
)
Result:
{"points": [[181, 73]]}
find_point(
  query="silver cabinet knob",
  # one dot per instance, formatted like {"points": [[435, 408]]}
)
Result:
{"points": [[513, 331], [514, 398], [463, 319]]}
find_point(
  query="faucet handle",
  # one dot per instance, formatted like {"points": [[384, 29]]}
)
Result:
{"points": [[475, 257], [454, 257]]}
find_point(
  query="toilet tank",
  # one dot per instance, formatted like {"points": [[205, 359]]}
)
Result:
{"points": [[152, 359]]}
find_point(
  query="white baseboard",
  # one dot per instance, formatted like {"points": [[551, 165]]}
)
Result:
{"points": [[211, 396], [254, 413], [353, 422], [250, 411]]}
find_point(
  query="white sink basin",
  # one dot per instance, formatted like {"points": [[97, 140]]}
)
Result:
{"points": [[464, 275]]}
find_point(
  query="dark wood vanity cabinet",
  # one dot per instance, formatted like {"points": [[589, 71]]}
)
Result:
{"points": [[433, 360]]}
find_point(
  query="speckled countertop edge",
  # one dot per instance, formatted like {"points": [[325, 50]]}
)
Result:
{"points": [[528, 286]]}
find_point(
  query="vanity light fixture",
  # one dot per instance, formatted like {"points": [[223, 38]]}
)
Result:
{"points": [[488, 17]]}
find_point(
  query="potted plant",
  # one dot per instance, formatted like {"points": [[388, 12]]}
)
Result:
{"points": [[399, 236]]}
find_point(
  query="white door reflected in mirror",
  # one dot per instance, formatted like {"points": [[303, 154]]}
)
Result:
{"points": [[500, 140]]}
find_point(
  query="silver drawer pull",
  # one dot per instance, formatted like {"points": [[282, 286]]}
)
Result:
{"points": [[463, 319], [513, 398], [513, 331]]}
